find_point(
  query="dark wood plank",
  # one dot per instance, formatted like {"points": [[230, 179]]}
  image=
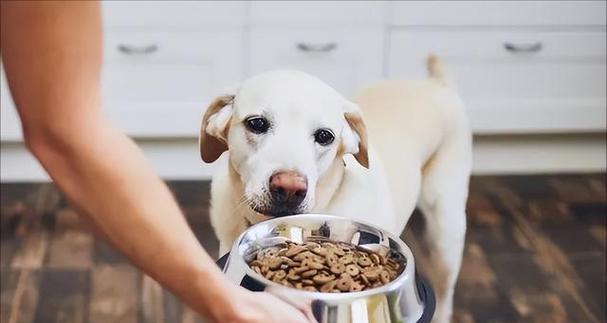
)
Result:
{"points": [[114, 294], [20, 295], [63, 296], [151, 301], [71, 244]]}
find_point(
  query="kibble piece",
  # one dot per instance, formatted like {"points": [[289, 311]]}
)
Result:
{"points": [[338, 268], [320, 251], [375, 258], [323, 278], [300, 270], [347, 259], [256, 262], [328, 286], [280, 274], [304, 255], [384, 276], [365, 261], [344, 282], [309, 273], [352, 270], [356, 287], [331, 259], [273, 262], [307, 282], [372, 273], [296, 249], [312, 263], [338, 251]]}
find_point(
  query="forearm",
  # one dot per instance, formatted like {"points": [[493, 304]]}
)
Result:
{"points": [[105, 175], [52, 56]]}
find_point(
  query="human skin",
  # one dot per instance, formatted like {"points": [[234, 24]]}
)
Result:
{"points": [[52, 55]]}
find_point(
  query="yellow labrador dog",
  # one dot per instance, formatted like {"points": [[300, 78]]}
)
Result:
{"points": [[295, 145]]}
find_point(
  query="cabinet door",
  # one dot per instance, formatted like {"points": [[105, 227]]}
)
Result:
{"points": [[176, 14], [491, 13], [158, 83], [315, 13], [345, 59], [515, 81]]}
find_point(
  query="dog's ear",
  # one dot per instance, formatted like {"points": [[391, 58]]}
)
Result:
{"points": [[213, 140], [355, 135]]}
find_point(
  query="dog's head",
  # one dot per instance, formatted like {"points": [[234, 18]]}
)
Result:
{"points": [[284, 130]]}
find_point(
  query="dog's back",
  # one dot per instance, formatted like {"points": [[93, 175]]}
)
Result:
{"points": [[420, 132], [407, 122]]}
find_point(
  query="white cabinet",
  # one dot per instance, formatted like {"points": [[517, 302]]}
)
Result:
{"points": [[511, 13], [172, 14], [522, 66], [344, 59], [515, 80], [315, 14], [157, 83]]}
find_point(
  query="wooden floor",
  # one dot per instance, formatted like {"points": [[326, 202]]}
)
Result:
{"points": [[535, 253]]}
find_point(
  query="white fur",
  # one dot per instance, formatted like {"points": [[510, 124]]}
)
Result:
{"points": [[419, 154]]}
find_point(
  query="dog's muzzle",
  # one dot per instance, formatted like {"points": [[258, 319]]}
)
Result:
{"points": [[288, 190]]}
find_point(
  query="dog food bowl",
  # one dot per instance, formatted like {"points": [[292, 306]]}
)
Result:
{"points": [[407, 299]]}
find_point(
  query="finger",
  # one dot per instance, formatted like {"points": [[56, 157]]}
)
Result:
{"points": [[304, 306]]}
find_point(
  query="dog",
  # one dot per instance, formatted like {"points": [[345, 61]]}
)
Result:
{"points": [[295, 145]]}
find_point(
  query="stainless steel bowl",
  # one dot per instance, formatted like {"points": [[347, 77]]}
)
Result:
{"points": [[406, 299]]}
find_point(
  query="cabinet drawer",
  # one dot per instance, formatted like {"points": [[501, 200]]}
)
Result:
{"points": [[170, 85], [559, 89], [343, 59], [519, 45], [172, 13], [313, 13], [491, 13]]}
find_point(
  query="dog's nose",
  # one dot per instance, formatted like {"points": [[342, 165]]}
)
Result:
{"points": [[288, 188]]}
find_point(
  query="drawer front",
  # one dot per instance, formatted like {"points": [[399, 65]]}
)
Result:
{"points": [[491, 13], [171, 85], [521, 45], [173, 13], [311, 13], [557, 90], [345, 60]]}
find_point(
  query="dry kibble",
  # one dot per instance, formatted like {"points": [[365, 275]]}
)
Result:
{"points": [[332, 259], [338, 268], [328, 286], [328, 267], [365, 261], [352, 270], [309, 273], [323, 278]]}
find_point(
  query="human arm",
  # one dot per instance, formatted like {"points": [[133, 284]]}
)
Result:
{"points": [[52, 57]]}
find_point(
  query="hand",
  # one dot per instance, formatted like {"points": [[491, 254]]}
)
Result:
{"points": [[266, 308]]}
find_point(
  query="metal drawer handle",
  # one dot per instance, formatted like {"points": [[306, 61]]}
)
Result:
{"points": [[318, 48], [523, 48], [137, 50]]}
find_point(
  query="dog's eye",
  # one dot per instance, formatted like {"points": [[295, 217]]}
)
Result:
{"points": [[324, 137], [257, 124]]}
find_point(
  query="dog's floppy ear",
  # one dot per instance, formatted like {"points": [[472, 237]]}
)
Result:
{"points": [[213, 140], [355, 135]]}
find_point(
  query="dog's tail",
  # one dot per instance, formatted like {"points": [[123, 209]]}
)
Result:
{"points": [[436, 70]]}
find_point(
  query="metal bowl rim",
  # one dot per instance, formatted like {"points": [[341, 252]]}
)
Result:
{"points": [[391, 286]]}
